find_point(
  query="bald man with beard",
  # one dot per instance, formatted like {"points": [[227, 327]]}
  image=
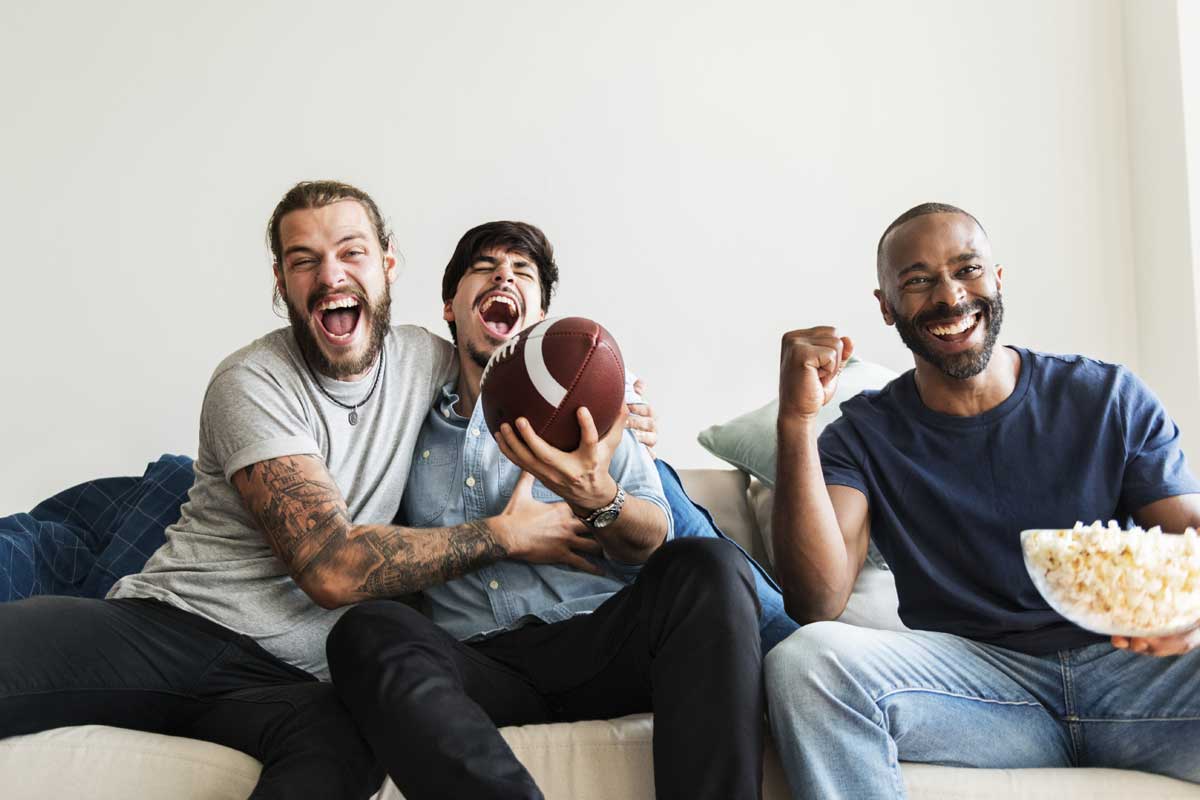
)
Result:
{"points": [[943, 468]]}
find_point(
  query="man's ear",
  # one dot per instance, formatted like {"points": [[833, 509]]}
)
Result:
{"points": [[884, 309], [280, 286], [389, 263], [448, 312], [999, 277]]}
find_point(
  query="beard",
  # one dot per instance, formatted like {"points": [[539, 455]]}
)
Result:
{"points": [[478, 356], [378, 316], [963, 365]]}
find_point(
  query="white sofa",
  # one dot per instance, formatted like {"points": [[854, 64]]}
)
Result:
{"points": [[602, 760]]}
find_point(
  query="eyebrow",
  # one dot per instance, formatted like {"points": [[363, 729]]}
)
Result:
{"points": [[300, 248], [961, 258], [494, 261]]}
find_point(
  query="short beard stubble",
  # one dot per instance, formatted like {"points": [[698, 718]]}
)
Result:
{"points": [[963, 365]]}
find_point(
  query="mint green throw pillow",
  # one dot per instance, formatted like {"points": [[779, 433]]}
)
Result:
{"points": [[748, 441]]}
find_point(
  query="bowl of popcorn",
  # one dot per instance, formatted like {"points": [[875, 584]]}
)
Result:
{"points": [[1118, 582]]}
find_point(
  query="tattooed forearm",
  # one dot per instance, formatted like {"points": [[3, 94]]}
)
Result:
{"points": [[464, 549], [303, 516]]}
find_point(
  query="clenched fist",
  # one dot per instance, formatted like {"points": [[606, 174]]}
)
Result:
{"points": [[810, 361]]}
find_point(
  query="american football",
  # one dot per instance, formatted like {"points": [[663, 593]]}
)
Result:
{"points": [[547, 372]]}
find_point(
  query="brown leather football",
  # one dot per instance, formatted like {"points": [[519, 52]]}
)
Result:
{"points": [[547, 371]]}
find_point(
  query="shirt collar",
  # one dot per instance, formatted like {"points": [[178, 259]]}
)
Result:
{"points": [[446, 401]]}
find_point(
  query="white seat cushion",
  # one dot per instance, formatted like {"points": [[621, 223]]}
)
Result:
{"points": [[598, 760]]}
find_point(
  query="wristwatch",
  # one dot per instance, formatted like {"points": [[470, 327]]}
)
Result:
{"points": [[606, 515]]}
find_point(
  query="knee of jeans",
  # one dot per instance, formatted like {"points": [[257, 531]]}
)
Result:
{"points": [[714, 560], [807, 660], [362, 634], [709, 575]]}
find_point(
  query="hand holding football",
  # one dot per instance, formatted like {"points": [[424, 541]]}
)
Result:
{"points": [[546, 372]]}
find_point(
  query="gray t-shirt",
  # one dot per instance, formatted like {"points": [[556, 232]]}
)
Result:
{"points": [[262, 403]]}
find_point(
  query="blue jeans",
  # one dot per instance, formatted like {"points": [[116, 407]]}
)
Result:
{"points": [[774, 625], [847, 704]]}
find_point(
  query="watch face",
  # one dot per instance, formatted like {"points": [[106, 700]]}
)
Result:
{"points": [[605, 518]]}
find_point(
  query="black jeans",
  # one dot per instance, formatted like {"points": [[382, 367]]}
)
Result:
{"points": [[682, 641], [146, 665]]}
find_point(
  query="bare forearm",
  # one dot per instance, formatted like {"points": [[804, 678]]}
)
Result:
{"points": [[1174, 514], [815, 569], [637, 533]]}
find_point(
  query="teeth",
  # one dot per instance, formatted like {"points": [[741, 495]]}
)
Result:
{"points": [[344, 302], [498, 298], [954, 327]]}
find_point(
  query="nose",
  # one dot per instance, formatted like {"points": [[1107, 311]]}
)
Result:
{"points": [[331, 272], [503, 273], [949, 292]]}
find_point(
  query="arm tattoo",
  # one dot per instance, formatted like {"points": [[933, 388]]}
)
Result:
{"points": [[466, 548], [304, 517]]}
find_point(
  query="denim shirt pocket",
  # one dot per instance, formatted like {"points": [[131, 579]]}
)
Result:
{"points": [[509, 472], [433, 478], [545, 495]]}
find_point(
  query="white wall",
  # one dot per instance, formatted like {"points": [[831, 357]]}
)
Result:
{"points": [[711, 173], [1161, 205], [1188, 15]]}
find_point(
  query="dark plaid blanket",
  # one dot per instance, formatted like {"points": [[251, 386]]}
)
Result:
{"points": [[80, 541]]}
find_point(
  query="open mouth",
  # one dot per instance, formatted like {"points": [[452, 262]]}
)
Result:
{"points": [[338, 318], [957, 329], [500, 314]]}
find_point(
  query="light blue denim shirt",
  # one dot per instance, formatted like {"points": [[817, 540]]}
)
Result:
{"points": [[459, 474]]}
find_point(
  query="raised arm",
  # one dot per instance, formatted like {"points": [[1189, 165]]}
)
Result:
{"points": [[303, 516], [820, 533]]}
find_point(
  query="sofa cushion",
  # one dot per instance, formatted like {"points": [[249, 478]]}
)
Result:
{"points": [[748, 441], [570, 761], [723, 493], [103, 763]]}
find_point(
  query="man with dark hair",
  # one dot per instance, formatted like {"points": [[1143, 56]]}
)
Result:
{"points": [[618, 623], [306, 439], [509, 237], [943, 468]]}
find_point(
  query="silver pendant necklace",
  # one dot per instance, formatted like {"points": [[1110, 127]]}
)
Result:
{"points": [[353, 417]]}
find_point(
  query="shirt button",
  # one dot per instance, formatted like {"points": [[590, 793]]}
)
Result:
{"points": [[475, 431], [446, 413], [494, 584], [470, 481], [425, 454]]}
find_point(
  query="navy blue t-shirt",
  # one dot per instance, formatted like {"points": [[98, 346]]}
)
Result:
{"points": [[1078, 440]]}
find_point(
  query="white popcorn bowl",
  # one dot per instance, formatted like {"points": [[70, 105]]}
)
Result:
{"points": [[1178, 619]]}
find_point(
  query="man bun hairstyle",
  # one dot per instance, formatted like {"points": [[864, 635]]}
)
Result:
{"points": [[513, 237]]}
